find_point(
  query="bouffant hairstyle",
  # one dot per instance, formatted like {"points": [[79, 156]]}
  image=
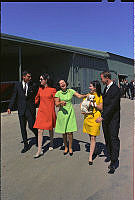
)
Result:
{"points": [[97, 85], [48, 78]]}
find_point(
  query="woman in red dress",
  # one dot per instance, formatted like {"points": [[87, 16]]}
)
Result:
{"points": [[46, 116]]}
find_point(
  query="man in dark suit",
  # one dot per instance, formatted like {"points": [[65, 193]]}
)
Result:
{"points": [[127, 88], [24, 93], [131, 86], [111, 119]]}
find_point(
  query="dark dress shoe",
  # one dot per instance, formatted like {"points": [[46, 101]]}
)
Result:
{"points": [[107, 159], [90, 163], [112, 170], [114, 164], [25, 149]]}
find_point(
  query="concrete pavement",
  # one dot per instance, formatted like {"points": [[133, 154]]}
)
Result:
{"points": [[57, 177]]}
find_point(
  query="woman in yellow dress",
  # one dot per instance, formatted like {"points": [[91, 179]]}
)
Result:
{"points": [[90, 126]]}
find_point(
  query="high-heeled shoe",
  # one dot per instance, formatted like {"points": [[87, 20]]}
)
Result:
{"points": [[38, 154], [65, 153], [71, 154], [90, 163]]}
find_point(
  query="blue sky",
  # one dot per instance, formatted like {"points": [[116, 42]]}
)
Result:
{"points": [[102, 26]]}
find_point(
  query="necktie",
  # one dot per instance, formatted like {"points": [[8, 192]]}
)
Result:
{"points": [[105, 90], [24, 89]]}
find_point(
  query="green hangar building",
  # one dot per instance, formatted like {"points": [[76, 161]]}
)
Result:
{"points": [[77, 65]]}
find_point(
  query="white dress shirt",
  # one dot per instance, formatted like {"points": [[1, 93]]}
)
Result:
{"points": [[108, 86], [24, 87]]}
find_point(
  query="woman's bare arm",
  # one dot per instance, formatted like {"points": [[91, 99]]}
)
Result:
{"points": [[59, 103], [80, 96]]}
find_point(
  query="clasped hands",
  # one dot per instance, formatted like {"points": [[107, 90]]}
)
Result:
{"points": [[63, 103], [99, 119]]}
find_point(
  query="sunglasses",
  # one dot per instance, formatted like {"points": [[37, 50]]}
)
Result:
{"points": [[28, 76], [41, 79]]}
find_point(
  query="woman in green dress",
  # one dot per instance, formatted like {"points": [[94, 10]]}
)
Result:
{"points": [[66, 120]]}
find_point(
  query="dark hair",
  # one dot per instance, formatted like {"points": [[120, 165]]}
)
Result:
{"points": [[24, 73], [97, 85], [58, 84], [106, 74], [48, 78]]}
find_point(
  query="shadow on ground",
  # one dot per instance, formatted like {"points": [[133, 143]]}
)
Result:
{"points": [[58, 143], [99, 149]]}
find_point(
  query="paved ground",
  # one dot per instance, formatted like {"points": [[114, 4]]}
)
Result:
{"points": [[58, 177]]}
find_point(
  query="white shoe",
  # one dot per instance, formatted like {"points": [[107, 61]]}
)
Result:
{"points": [[38, 154], [50, 148]]}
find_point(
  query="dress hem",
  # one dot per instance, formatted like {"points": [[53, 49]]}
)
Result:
{"points": [[66, 132], [92, 134], [44, 128]]}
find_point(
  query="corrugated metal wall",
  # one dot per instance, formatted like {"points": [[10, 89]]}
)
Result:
{"points": [[83, 70], [121, 65], [78, 69]]}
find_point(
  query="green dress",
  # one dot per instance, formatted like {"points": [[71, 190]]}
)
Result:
{"points": [[66, 120]]}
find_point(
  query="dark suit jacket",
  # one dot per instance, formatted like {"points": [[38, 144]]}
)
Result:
{"points": [[111, 104], [22, 100], [131, 86]]}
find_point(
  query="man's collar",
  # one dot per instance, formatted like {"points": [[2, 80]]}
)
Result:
{"points": [[23, 82], [110, 84]]}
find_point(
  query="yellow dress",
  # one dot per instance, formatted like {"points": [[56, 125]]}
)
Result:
{"points": [[90, 126]]}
